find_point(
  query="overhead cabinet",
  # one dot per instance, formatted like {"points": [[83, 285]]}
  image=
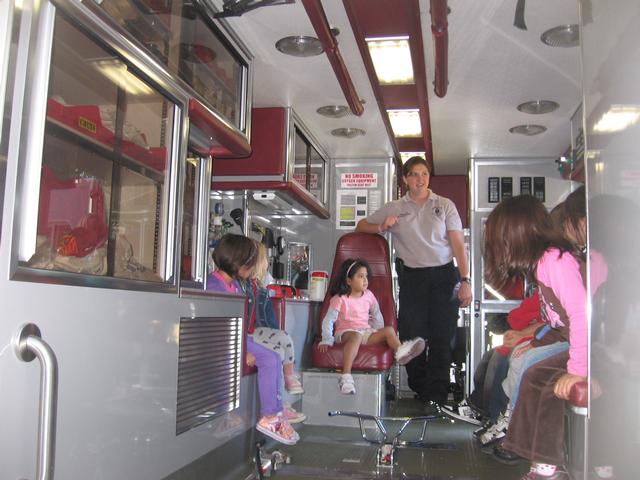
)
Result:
{"points": [[287, 168], [182, 36]]}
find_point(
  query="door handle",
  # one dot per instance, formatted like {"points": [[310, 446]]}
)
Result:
{"points": [[28, 345]]}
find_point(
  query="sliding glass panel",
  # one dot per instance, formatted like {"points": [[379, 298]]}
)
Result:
{"points": [[103, 207]]}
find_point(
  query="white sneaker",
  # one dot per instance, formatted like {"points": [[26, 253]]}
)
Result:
{"points": [[498, 430], [464, 412], [346, 384], [409, 350]]}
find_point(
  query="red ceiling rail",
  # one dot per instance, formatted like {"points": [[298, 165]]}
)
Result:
{"points": [[323, 30], [439, 29]]}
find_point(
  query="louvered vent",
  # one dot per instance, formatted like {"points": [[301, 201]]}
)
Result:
{"points": [[209, 369]]}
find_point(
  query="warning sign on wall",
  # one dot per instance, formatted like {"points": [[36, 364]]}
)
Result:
{"points": [[359, 180]]}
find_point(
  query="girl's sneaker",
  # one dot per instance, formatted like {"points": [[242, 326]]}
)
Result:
{"points": [[292, 416], [534, 474], [464, 412], [346, 384], [496, 431], [292, 384], [409, 350], [278, 428]]}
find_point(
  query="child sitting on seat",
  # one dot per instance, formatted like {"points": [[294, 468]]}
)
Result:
{"points": [[235, 257], [358, 321], [263, 324]]}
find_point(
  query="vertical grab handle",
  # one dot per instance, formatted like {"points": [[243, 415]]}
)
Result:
{"points": [[28, 345]]}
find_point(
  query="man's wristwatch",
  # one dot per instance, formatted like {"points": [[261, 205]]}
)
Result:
{"points": [[466, 279]]}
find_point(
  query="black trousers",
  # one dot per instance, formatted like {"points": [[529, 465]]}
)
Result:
{"points": [[429, 309]]}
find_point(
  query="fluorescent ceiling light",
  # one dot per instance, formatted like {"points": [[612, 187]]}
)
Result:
{"points": [[405, 123], [117, 72], [404, 156], [391, 59], [618, 118]]}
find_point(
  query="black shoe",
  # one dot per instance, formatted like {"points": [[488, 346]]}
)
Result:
{"points": [[505, 456]]}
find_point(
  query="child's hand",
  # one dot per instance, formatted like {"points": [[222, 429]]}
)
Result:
{"points": [[323, 347], [565, 382], [511, 338], [251, 359]]}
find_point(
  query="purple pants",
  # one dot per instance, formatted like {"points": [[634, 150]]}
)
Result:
{"points": [[269, 366]]}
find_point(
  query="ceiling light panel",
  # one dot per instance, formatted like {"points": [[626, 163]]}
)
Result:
{"points": [[618, 118], [391, 59], [405, 123]]}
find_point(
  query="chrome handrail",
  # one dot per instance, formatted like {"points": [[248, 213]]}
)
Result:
{"points": [[29, 345]]}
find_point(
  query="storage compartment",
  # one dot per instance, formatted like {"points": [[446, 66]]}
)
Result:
{"points": [[103, 206], [287, 169], [183, 36]]}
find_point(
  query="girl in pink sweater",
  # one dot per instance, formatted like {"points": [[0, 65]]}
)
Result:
{"points": [[521, 240]]}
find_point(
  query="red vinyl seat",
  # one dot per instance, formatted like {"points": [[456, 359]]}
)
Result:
{"points": [[375, 250]]}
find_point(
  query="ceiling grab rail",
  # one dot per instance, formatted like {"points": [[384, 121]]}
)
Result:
{"points": [[330, 44], [439, 29], [28, 345]]}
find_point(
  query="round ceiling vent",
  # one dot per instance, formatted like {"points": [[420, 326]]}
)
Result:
{"points": [[347, 132], [537, 107], [528, 129], [300, 46], [334, 111], [562, 36]]}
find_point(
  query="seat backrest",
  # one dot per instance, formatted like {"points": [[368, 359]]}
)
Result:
{"points": [[375, 250]]}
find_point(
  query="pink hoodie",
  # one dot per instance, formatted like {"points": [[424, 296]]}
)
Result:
{"points": [[562, 275]]}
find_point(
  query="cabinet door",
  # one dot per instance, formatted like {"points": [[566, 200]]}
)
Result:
{"points": [[317, 172], [300, 158], [103, 205], [195, 221], [182, 36]]}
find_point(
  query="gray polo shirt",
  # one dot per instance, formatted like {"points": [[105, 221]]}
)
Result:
{"points": [[420, 235]]}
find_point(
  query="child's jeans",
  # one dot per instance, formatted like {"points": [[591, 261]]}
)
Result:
{"points": [[521, 361]]}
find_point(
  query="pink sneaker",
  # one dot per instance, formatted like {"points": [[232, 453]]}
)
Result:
{"points": [[292, 384], [292, 416], [278, 428]]}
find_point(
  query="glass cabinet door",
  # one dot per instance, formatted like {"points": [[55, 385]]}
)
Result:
{"points": [[195, 220], [103, 199], [181, 36], [301, 152], [317, 166]]}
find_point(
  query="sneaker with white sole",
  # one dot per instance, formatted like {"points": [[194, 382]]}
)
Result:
{"points": [[409, 350], [291, 415], [346, 384], [292, 384], [496, 431], [279, 429], [463, 412]]}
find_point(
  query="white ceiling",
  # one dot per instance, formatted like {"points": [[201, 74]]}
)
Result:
{"points": [[493, 67]]}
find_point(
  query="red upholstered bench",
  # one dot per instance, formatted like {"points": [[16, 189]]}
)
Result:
{"points": [[375, 250]]}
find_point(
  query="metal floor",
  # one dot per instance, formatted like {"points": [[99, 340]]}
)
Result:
{"points": [[337, 453]]}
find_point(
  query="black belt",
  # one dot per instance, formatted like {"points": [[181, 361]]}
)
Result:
{"points": [[427, 269]]}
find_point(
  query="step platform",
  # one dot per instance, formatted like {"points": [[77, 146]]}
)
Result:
{"points": [[322, 395]]}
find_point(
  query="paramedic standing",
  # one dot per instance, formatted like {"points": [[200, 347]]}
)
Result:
{"points": [[427, 234]]}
